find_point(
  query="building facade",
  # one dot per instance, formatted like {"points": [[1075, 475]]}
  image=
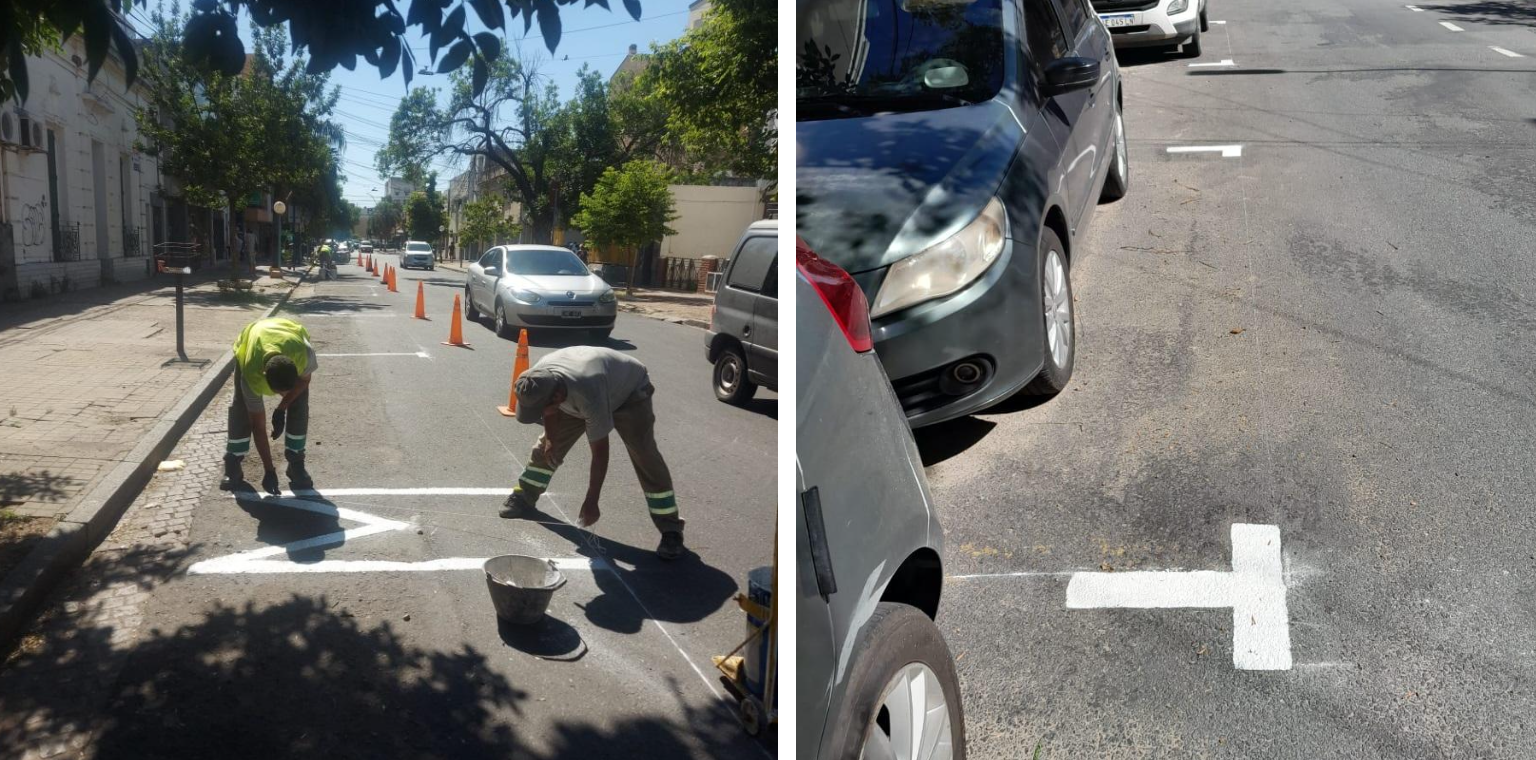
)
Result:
{"points": [[397, 189]]}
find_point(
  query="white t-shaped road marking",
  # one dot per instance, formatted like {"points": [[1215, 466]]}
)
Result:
{"points": [[1255, 590]]}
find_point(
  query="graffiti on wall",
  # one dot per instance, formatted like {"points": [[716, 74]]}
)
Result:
{"points": [[34, 222]]}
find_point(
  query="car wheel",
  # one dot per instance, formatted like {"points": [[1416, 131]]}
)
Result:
{"points": [[503, 330], [470, 312], [1205, 24], [731, 382], [600, 335], [1192, 48], [1060, 326], [1118, 183], [903, 696]]}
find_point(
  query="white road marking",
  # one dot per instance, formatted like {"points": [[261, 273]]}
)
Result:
{"points": [[417, 354], [1452, 27], [259, 567], [1036, 574], [1222, 62], [1226, 151], [1218, 22], [1502, 51], [1414, 8], [494, 491], [1255, 590]]}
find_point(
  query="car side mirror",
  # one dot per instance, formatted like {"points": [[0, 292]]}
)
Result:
{"points": [[1065, 75], [493, 272]]}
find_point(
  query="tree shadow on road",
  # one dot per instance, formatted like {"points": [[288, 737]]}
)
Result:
{"points": [[319, 304], [1494, 12]]}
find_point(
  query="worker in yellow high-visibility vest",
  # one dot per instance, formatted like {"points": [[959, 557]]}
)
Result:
{"points": [[273, 357]]}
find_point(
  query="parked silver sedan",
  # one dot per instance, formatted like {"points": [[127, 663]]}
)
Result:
{"points": [[539, 287]]}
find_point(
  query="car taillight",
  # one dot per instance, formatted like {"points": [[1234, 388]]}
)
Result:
{"points": [[840, 293]]}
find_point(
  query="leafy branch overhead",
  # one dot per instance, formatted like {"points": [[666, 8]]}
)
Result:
{"points": [[330, 33]]}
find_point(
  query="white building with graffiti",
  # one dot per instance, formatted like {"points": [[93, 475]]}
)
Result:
{"points": [[78, 204]]}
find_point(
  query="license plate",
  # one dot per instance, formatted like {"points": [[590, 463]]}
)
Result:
{"points": [[1123, 19], [570, 313]]}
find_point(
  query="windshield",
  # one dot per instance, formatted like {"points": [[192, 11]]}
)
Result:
{"points": [[857, 57], [539, 261], [420, 247]]}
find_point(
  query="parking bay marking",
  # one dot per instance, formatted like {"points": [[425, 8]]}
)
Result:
{"points": [[257, 561], [1502, 51], [1254, 589], [1452, 27], [1414, 8], [1226, 151], [1222, 62]]}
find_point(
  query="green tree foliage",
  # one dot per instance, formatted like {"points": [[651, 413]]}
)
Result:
{"points": [[329, 32], [425, 217], [484, 223], [386, 218], [600, 127], [718, 84], [406, 151], [628, 208]]}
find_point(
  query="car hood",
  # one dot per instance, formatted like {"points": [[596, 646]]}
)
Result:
{"points": [[872, 191], [558, 284]]}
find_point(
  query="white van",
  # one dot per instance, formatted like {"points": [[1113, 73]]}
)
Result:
{"points": [[1154, 23]]}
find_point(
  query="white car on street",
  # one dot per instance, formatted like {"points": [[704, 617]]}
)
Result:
{"points": [[1154, 23], [418, 254]]}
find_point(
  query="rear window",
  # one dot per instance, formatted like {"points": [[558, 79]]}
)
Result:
{"points": [[753, 265]]}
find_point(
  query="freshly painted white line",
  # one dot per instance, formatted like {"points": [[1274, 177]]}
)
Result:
{"points": [[417, 354], [1502, 51], [262, 567], [1218, 22], [1226, 151], [1254, 589], [1414, 8], [1222, 62], [1452, 27], [494, 491]]}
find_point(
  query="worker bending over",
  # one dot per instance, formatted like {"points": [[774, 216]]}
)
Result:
{"points": [[273, 357], [597, 391]]}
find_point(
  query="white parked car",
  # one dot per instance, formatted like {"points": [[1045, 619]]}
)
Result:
{"points": [[538, 287], [1154, 23], [418, 254]]}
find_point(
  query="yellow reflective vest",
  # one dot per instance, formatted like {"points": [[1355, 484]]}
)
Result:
{"points": [[263, 339]]}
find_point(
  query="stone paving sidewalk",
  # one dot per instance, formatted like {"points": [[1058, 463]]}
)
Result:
{"points": [[87, 377]]}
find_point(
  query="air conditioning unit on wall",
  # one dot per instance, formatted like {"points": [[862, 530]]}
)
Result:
{"points": [[19, 130]]}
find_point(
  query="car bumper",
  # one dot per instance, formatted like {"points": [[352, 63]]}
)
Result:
{"points": [[415, 261], [996, 322], [547, 317], [1157, 28]]}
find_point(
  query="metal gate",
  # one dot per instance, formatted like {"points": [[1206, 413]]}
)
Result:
{"points": [[680, 274]]}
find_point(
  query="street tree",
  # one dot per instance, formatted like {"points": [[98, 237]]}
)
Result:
{"points": [[484, 223], [330, 33], [386, 218], [600, 127], [424, 217], [628, 208], [719, 86], [406, 151]]}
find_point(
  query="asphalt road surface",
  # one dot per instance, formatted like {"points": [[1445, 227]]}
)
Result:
{"points": [[1330, 333], [403, 655]]}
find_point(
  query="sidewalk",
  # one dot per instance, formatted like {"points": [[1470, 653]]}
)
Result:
{"points": [[690, 309], [88, 383]]}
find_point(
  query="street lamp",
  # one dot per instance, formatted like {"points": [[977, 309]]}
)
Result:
{"points": [[279, 208]]}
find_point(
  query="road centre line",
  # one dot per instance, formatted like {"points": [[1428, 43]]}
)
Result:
{"points": [[1222, 62], [1452, 27], [417, 354], [1226, 151], [1255, 590], [1502, 51]]}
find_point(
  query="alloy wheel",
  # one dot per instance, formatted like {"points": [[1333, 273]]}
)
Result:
{"points": [[912, 722], [1057, 297]]}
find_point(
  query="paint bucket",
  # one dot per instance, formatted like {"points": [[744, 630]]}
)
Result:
{"points": [[521, 587], [759, 590]]}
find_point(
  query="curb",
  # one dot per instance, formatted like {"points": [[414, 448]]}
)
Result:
{"points": [[71, 541]]}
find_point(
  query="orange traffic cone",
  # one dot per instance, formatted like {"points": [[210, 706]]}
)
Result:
{"points": [[519, 366], [359, 258], [368, 264], [394, 280], [456, 326], [421, 300]]}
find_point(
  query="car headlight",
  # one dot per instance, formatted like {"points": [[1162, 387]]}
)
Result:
{"points": [[946, 267], [1178, 6], [607, 297], [526, 296]]}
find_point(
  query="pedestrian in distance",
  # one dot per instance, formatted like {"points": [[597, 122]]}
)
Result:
{"points": [[596, 391], [273, 357]]}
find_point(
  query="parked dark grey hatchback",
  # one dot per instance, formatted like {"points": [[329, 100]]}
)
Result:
{"points": [[950, 155], [743, 337]]}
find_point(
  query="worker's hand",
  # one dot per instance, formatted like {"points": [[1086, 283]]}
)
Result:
{"points": [[589, 513], [269, 483], [279, 419]]}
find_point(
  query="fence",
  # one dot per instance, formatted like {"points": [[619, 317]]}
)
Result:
{"points": [[67, 247], [680, 274], [133, 242]]}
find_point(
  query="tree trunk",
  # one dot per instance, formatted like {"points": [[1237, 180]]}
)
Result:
{"points": [[629, 280]]}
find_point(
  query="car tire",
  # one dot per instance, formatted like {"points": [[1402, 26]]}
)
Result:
{"points": [[1192, 48], [1118, 183], [1058, 317], [470, 312], [730, 376], [601, 335], [1205, 23], [897, 646], [503, 330]]}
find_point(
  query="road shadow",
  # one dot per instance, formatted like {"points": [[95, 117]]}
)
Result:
{"points": [[1132, 57], [278, 524], [549, 639], [638, 586], [1493, 12], [946, 440], [568, 338], [19, 487], [768, 407], [322, 304]]}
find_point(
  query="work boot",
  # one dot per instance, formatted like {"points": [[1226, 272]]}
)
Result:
{"points": [[671, 546], [298, 477], [234, 475], [516, 507]]}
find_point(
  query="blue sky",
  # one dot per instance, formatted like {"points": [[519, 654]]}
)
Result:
{"points": [[592, 36]]}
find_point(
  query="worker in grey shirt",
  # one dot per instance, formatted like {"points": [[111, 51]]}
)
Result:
{"points": [[597, 391]]}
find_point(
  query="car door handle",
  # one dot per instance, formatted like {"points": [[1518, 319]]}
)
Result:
{"points": [[746, 330]]}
